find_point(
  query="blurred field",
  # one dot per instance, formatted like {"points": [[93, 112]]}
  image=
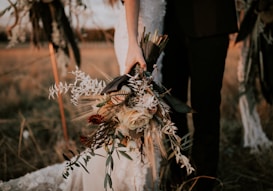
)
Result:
{"points": [[31, 135]]}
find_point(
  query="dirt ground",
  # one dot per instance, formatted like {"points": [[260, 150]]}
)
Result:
{"points": [[31, 135]]}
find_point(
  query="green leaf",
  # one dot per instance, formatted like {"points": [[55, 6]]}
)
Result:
{"points": [[112, 132], [118, 154], [66, 157], [86, 159], [84, 167], [125, 155], [92, 152], [121, 145], [120, 135], [100, 104], [107, 180], [110, 162], [65, 174], [113, 148], [72, 152]]}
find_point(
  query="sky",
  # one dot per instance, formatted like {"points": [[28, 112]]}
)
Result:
{"points": [[97, 14]]}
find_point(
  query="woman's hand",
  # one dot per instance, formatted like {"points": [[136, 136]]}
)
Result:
{"points": [[134, 56]]}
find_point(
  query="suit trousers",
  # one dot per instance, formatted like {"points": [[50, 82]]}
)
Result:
{"points": [[197, 64]]}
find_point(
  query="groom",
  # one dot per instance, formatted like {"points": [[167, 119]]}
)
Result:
{"points": [[199, 38]]}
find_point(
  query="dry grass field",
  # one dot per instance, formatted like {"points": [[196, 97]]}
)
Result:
{"points": [[31, 135]]}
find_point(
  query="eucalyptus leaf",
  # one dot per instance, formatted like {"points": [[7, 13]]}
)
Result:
{"points": [[92, 152], [84, 167], [107, 181], [110, 162], [71, 152], [121, 145], [65, 174], [119, 135], [86, 159], [112, 149], [125, 155], [66, 157]]}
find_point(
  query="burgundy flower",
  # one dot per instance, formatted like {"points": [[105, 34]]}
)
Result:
{"points": [[86, 141], [95, 119]]}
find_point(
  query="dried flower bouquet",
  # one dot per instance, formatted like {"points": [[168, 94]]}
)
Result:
{"points": [[131, 112]]}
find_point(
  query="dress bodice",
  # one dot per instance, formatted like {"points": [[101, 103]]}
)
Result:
{"points": [[151, 15]]}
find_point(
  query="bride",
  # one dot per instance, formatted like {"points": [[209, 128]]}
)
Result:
{"points": [[136, 174]]}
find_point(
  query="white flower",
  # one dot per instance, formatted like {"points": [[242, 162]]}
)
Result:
{"points": [[133, 118], [148, 101], [82, 86], [184, 161], [132, 145]]}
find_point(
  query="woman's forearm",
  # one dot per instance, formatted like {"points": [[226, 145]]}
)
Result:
{"points": [[132, 12], [134, 54]]}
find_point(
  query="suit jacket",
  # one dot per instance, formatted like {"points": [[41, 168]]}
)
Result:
{"points": [[200, 18]]}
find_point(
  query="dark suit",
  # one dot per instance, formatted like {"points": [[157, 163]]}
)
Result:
{"points": [[199, 37]]}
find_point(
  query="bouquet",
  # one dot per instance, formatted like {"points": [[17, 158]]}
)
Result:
{"points": [[130, 112]]}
